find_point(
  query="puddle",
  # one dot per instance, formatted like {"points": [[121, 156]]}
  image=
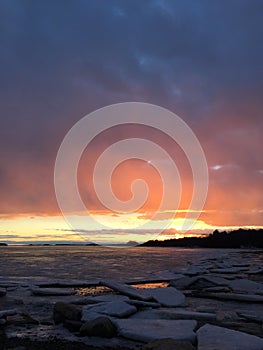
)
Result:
{"points": [[96, 290], [151, 285]]}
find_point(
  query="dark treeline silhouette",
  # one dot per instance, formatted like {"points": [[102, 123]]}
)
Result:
{"points": [[241, 238]]}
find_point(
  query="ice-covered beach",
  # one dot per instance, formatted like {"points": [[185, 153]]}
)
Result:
{"points": [[134, 298]]}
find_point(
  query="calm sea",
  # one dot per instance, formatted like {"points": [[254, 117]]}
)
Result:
{"points": [[60, 263]]}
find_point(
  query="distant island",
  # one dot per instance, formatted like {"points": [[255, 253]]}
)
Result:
{"points": [[71, 244], [76, 244], [3, 244], [241, 238], [132, 243]]}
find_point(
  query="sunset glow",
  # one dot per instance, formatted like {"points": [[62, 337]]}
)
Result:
{"points": [[54, 73]]}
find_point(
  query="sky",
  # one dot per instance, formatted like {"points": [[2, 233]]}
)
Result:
{"points": [[60, 60]]}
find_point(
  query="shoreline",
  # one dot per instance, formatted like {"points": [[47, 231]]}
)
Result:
{"points": [[220, 293]]}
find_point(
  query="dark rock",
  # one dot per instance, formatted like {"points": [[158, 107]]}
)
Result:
{"points": [[52, 291], [72, 326], [184, 282], [217, 290], [127, 290], [64, 311], [232, 296], [100, 327], [2, 292], [251, 316], [246, 286], [218, 338], [227, 270], [113, 308], [47, 322], [9, 312], [173, 314], [199, 283], [146, 330], [203, 282], [2, 321], [168, 344], [256, 272], [20, 319], [194, 271], [139, 303], [169, 296]]}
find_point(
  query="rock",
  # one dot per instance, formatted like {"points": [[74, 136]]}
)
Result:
{"points": [[100, 327], [212, 281], [64, 311], [47, 321], [20, 319], [10, 312], [200, 282], [251, 316], [143, 303], [127, 290], [169, 296], [11, 289], [147, 314], [227, 270], [168, 344], [222, 265], [68, 284], [174, 314], [98, 299], [90, 315], [233, 296], [52, 291], [205, 309], [217, 289], [188, 293], [229, 276], [223, 316], [167, 275], [245, 285], [7, 284], [2, 292], [114, 308], [84, 301], [219, 338], [240, 265], [109, 298], [72, 326], [194, 271], [146, 330], [183, 283], [255, 272], [2, 321]]}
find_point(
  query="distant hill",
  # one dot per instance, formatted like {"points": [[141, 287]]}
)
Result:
{"points": [[76, 244], [132, 243], [240, 238], [3, 244]]}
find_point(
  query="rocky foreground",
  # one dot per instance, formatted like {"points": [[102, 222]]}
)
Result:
{"points": [[214, 304]]}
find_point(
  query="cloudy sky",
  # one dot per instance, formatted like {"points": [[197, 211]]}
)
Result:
{"points": [[60, 60]]}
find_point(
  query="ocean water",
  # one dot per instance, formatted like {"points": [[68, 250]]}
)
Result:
{"points": [[67, 263]]}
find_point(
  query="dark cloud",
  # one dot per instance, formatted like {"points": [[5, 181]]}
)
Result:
{"points": [[62, 59]]}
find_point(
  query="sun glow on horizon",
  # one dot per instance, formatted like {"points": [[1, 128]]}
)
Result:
{"points": [[123, 228]]}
